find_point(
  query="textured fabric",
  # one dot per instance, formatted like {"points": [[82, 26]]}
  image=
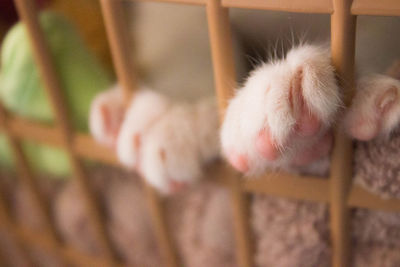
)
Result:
{"points": [[377, 165]]}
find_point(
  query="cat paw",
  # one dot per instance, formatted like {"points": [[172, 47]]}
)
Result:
{"points": [[145, 109], [123, 130], [375, 110], [167, 144], [284, 108], [105, 116], [178, 146]]}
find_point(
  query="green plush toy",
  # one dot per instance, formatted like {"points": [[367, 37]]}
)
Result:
{"points": [[22, 92]]}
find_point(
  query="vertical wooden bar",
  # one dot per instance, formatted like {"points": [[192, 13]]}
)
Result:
{"points": [[164, 238], [343, 27], [225, 79], [118, 38], [7, 224], [222, 52], [27, 177], [29, 15], [116, 32]]}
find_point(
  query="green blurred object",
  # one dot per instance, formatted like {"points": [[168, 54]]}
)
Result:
{"points": [[22, 93]]}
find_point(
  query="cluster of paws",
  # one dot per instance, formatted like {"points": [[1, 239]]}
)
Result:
{"points": [[283, 115], [166, 143], [281, 118]]}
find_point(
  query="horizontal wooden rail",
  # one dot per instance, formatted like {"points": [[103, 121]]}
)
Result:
{"points": [[361, 198], [298, 6], [184, 2], [376, 7], [279, 184], [45, 242], [290, 186], [83, 144]]}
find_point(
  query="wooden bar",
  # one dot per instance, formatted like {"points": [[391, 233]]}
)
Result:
{"points": [[361, 198], [164, 238], [299, 6], [83, 144], [120, 50], [119, 43], [282, 186], [7, 223], [45, 242], [290, 186], [29, 16], [28, 178], [225, 82], [343, 26], [182, 2], [42, 133], [376, 8], [222, 53]]}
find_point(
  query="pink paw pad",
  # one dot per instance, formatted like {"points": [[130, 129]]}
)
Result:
{"points": [[239, 162], [266, 146], [175, 186], [308, 124], [364, 130], [317, 151]]}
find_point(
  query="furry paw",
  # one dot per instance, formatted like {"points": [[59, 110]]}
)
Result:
{"points": [[178, 146], [145, 109], [375, 110], [284, 108], [168, 144], [105, 116]]}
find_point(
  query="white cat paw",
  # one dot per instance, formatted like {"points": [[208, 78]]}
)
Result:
{"points": [[105, 116], [145, 109], [178, 146], [168, 144], [285, 107], [375, 110]]}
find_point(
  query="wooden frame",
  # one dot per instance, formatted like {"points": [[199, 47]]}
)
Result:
{"points": [[338, 191]]}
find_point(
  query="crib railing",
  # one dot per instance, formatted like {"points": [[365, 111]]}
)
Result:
{"points": [[337, 191]]}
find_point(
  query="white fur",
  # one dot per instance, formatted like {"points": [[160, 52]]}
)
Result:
{"points": [[164, 142], [112, 100], [263, 102], [144, 110], [179, 144], [363, 118], [206, 127]]}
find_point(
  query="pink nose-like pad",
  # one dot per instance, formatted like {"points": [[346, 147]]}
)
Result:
{"points": [[239, 162], [265, 146], [175, 186], [364, 130], [317, 151], [308, 124]]}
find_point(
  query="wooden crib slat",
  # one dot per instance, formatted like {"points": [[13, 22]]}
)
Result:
{"points": [[28, 179], [300, 6], [119, 43], [290, 186], [118, 37], [376, 8], [361, 198], [8, 225], [343, 27], [225, 81], [182, 2], [157, 212], [222, 53], [29, 16]]}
